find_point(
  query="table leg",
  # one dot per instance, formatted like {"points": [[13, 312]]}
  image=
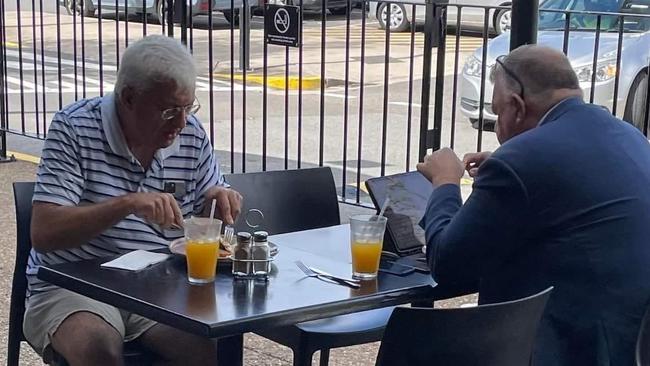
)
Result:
{"points": [[230, 350]]}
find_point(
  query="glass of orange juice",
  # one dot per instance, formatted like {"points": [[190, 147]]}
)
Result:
{"points": [[366, 241], [202, 237]]}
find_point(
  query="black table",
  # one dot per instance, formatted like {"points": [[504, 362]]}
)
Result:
{"points": [[228, 308]]}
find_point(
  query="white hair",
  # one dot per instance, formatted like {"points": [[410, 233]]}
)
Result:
{"points": [[153, 60]]}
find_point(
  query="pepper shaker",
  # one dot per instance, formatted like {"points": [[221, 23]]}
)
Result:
{"points": [[241, 265]]}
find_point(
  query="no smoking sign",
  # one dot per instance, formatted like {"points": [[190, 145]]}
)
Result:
{"points": [[282, 24]]}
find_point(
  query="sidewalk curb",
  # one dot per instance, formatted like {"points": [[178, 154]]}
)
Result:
{"points": [[24, 157], [276, 81]]}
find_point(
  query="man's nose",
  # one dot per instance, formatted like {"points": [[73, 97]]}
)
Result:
{"points": [[180, 120]]}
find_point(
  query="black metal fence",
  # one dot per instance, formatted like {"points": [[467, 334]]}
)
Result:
{"points": [[364, 100]]}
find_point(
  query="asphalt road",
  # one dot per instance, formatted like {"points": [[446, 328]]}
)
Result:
{"points": [[66, 63]]}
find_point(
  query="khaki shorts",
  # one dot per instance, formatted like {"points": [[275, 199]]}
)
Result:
{"points": [[46, 311]]}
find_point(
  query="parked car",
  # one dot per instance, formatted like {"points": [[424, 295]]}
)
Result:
{"points": [[471, 17], [633, 79], [336, 7], [154, 8]]}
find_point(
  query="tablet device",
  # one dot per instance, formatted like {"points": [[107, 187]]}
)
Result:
{"points": [[409, 194]]}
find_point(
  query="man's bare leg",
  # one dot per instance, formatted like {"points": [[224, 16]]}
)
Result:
{"points": [[177, 347], [86, 339]]}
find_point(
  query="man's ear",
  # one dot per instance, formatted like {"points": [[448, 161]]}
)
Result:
{"points": [[521, 108], [127, 98]]}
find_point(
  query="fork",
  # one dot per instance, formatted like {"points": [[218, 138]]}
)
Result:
{"points": [[310, 273], [228, 236]]}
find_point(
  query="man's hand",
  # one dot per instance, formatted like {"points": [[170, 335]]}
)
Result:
{"points": [[442, 167], [157, 208], [473, 161], [228, 203]]}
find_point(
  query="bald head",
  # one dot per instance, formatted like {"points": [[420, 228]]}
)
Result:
{"points": [[546, 74], [527, 83]]}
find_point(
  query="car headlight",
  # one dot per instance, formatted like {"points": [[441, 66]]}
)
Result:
{"points": [[605, 70], [473, 67]]}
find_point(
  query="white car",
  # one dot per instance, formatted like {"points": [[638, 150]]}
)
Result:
{"points": [[471, 17], [633, 72]]}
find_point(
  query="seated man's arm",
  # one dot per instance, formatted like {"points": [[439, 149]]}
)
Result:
{"points": [[60, 219], [466, 241], [56, 227], [212, 185]]}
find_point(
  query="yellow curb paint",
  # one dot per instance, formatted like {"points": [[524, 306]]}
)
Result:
{"points": [[363, 186], [275, 81], [11, 44], [24, 157]]}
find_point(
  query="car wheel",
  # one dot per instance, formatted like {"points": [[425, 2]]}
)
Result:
{"points": [[398, 21], [488, 125], [233, 16], [159, 15], [502, 22], [339, 11], [72, 6], [635, 108]]}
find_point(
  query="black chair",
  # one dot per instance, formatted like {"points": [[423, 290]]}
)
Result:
{"points": [[500, 334], [643, 341], [294, 200], [23, 192], [291, 200]]}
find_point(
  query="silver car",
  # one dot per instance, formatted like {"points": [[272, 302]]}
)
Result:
{"points": [[154, 8], [633, 79], [471, 17]]}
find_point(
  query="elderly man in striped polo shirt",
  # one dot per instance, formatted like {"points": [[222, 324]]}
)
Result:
{"points": [[100, 192]]}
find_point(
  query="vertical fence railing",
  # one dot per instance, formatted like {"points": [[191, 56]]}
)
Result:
{"points": [[484, 76], [3, 80], [619, 48], [362, 74], [360, 117], [454, 93], [429, 28], [384, 122], [20, 66], [35, 65], [409, 115], [441, 32]]}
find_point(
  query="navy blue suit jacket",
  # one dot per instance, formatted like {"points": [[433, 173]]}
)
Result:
{"points": [[566, 204]]}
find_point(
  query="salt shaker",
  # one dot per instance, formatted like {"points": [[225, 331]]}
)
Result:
{"points": [[261, 252], [241, 265]]}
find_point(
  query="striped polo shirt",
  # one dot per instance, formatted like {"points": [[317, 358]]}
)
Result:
{"points": [[86, 160]]}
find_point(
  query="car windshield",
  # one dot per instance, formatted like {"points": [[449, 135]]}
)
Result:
{"points": [[588, 22]]}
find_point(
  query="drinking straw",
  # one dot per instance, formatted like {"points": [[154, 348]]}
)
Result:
{"points": [[211, 227], [381, 212], [384, 207], [214, 206]]}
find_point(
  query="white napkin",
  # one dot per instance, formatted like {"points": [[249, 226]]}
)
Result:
{"points": [[136, 260]]}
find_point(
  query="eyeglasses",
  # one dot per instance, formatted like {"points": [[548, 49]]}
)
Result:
{"points": [[501, 60], [171, 113]]}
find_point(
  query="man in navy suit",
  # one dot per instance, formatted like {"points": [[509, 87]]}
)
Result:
{"points": [[564, 202]]}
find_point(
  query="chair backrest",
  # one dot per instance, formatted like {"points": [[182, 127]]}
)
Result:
{"points": [[500, 334], [291, 200], [23, 192], [643, 341]]}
